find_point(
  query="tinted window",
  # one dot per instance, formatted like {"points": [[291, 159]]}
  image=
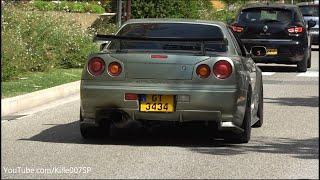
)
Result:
{"points": [[237, 47], [257, 15], [180, 30], [310, 10]]}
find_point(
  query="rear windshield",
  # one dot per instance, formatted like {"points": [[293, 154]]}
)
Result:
{"points": [[312, 10], [178, 30], [258, 15]]}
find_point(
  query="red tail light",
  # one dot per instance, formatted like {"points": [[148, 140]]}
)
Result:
{"points": [[222, 69], [114, 69], [130, 96], [295, 30], [158, 56], [236, 28], [96, 66], [203, 71]]}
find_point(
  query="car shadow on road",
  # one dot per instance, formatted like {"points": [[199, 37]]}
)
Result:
{"points": [[312, 101], [277, 68], [297, 148], [196, 139]]}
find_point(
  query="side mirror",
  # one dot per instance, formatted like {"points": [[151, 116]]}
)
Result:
{"points": [[102, 46], [311, 23], [230, 20], [258, 51]]}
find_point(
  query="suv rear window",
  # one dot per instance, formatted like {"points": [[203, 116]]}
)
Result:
{"points": [[180, 30], [310, 10], [259, 15]]}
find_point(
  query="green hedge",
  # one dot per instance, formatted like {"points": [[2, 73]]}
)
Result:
{"points": [[169, 8], [36, 41], [194, 9]]}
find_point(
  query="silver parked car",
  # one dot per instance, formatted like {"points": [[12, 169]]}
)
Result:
{"points": [[172, 70], [310, 12]]}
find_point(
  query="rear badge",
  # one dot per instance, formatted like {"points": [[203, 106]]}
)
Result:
{"points": [[265, 28], [183, 68]]}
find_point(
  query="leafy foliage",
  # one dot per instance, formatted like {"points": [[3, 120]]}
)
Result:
{"points": [[168, 8], [67, 6], [36, 41]]}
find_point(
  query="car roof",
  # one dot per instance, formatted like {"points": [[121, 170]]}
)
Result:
{"points": [[175, 20], [308, 3], [271, 5]]}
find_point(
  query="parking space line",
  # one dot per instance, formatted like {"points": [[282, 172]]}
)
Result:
{"points": [[268, 73], [309, 74]]}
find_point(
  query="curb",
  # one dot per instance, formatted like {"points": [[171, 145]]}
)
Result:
{"points": [[37, 98]]}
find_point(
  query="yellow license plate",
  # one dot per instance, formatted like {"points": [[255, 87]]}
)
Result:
{"points": [[156, 103], [272, 52]]}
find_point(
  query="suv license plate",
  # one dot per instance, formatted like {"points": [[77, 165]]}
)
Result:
{"points": [[272, 52]]}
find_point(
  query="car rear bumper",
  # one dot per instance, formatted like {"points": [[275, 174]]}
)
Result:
{"points": [[289, 51], [214, 103]]}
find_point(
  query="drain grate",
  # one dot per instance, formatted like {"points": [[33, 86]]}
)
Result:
{"points": [[12, 117]]}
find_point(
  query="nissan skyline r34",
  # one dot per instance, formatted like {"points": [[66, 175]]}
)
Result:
{"points": [[172, 70]]}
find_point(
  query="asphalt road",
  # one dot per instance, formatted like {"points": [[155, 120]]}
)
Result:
{"points": [[287, 146]]}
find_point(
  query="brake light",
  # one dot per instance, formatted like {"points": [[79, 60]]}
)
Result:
{"points": [[96, 66], [159, 56], [203, 71], [130, 96], [114, 69], [236, 28], [222, 69], [295, 30]]}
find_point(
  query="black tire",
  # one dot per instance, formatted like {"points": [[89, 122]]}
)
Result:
{"points": [[244, 136], [89, 131], [260, 109], [302, 65]]}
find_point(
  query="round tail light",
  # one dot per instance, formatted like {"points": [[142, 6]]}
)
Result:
{"points": [[203, 71], [114, 69], [96, 66], [222, 69]]}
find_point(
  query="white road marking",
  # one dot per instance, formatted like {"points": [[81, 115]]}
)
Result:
{"points": [[309, 74], [268, 73]]}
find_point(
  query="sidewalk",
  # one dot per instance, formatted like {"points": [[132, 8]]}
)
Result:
{"points": [[37, 98]]}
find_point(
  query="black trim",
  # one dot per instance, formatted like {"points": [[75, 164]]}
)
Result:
{"points": [[102, 37]]}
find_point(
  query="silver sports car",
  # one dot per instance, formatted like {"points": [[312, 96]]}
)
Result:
{"points": [[172, 70]]}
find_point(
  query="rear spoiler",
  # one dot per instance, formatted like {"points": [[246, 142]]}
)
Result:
{"points": [[101, 37]]}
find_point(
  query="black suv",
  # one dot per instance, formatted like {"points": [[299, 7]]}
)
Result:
{"points": [[277, 28]]}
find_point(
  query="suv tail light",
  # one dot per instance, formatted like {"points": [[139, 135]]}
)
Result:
{"points": [[114, 69], [203, 71], [297, 29], [96, 66], [236, 28], [222, 69]]}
